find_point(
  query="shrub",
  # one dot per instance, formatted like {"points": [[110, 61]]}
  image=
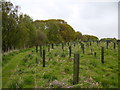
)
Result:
{"points": [[63, 54], [67, 70], [49, 76]]}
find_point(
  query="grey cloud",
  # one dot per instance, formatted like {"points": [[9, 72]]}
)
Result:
{"points": [[96, 18]]}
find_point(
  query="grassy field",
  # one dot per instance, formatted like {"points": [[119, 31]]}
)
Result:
{"points": [[24, 68]]}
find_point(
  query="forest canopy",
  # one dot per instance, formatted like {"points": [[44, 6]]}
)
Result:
{"points": [[20, 31]]}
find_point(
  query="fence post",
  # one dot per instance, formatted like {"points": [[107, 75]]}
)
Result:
{"points": [[90, 43], [41, 50], [102, 54], [74, 44], [114, 46], [97, 42], [43, 58], [83, 48], [107, 43], [36, 60], [68, 43], [36, 48], [91, 51], [95, 54], [62, 46], [76, 69], [52, 46], [70, 51]]}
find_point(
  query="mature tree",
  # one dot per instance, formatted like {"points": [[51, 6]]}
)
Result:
{"points": [[78, 36], [108, 39], [17, 30], [52, 32], [67, 32], [28, 22], [57, 30], [40, 25], [9, 25], [89, 38], [39, 38], [84, 38]]}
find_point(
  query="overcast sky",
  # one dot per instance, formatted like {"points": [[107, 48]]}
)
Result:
{"points": [[94, 18]]}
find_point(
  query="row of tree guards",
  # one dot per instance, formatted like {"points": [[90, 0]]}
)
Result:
{"points": [[107, 44], [76, 64], [82, 46], [76, 57], [42, 52]]}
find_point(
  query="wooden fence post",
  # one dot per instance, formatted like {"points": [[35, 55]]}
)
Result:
{"points": [[95, 54], [114, 45], [36, 60], [52, 46], [62, 46], [91, 51], [74, 44], [83, 48], [107, 43], [102, 54], [76, 69], [90, 43], [36, 48], [41, 50], [70, 51], [43, 58], [97, 42], [68, 43]]}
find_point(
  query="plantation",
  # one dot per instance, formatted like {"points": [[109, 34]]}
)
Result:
{"points": [[52, 54], [24, 68]]}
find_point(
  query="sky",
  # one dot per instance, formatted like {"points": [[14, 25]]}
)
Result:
{"points": [[93, 17]]}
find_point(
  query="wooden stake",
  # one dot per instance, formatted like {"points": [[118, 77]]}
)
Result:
{"points": [[102, 55], [62, 46], [70, 51], [43, 58], [83, 48], [107, 44], [76, 69], [41, 50], [114, 45], [36, 48], [95, 54], [74, 44], [90, 43], [68, 43], [52, 46]]}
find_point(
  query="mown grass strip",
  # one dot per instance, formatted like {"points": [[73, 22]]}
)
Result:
{"points": [[10, 67]]}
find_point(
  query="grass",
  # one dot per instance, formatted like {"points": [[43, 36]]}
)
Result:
{"points": [[25, 70], [9, 68]]}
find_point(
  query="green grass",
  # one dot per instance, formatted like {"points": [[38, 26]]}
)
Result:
{"points": [[25, 70], [9, 68]]}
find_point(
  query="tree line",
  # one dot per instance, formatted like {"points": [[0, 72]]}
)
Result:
{"points": [[20, 31]]}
